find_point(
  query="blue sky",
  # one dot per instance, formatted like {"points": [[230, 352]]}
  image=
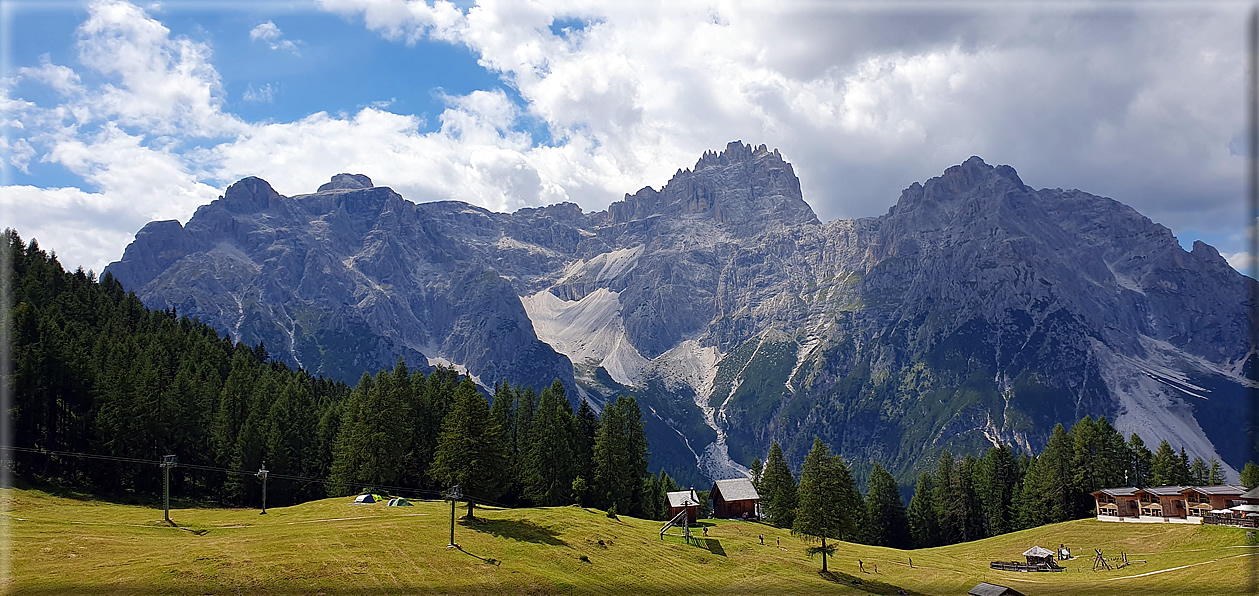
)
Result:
{"points": [[119, 113]]}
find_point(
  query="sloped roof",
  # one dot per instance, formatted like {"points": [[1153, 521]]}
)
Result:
{"points": [[1219, 489], [987, 589], [1251, 494], [1037, 551], [736, 489], [1125, 491], [683, 498], [1166, 491]]}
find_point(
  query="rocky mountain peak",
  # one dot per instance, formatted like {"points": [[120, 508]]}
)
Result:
{"points": [[347, 182], [741, 187], [249, 195]]}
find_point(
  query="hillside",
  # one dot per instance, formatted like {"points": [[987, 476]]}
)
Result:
{"points": [[62, 545]]}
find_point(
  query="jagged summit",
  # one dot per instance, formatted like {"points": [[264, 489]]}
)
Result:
{"points": [[743, 187]]}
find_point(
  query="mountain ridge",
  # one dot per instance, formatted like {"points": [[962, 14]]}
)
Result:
{"points": [[736, 316]]}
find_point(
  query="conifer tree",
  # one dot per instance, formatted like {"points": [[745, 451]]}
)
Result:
{"points": [[778, 494], [1140, 462], [757, 469], [997, 478], [923, 523], [1199, 473], [551, 461], [620, 455], [471, 448], [1215, 476], [886, 523], [829, 504], [1250, 475], [1165, 467]]}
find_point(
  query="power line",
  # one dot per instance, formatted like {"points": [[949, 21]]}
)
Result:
{"points": [[308, 479]]}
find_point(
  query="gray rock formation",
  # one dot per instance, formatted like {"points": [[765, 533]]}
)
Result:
{"points": [[977, 310]]}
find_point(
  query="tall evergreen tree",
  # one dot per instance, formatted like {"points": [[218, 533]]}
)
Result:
{"points": [[829, 503], [620, 455], [923, 524], [997, 477], [1140, 462], [551, 462], [471, 448], [1165, 467], [778, 494], [1199, 473], [886, 523], [1250, 475], [1215, 475]]}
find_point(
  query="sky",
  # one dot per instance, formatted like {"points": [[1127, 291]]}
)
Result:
{"points": [[115, 114]]}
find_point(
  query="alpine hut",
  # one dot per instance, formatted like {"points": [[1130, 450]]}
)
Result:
{"points": [[684, 500], [734, 498]]}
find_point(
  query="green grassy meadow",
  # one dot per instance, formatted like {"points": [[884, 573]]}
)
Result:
{"points": [[61, 545]]}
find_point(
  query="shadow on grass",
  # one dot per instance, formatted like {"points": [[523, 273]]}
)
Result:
{"points": [[491, 561], [865, 584], [516, 529], [712, 545]]}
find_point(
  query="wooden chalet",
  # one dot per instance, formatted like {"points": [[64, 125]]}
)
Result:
{"points": [[684, 500], [1162, 501], [1117, 502], [734, 498], [1202, 500]]}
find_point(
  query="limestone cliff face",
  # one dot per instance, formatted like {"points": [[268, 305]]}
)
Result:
{"points": [[977, 310]]}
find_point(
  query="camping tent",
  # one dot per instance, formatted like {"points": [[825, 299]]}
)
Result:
{"points": [[399, 502], [367, 498]]}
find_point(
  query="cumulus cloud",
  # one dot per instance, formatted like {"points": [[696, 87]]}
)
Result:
{"points": [[1144, 105], [274, 38]]}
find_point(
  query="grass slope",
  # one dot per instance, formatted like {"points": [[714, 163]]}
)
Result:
{"points": [[62, 545]]}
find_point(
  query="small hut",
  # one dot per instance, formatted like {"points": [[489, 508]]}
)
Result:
{"points": [[1039, 556], [987, 589], [734, 498], [684, 500]]}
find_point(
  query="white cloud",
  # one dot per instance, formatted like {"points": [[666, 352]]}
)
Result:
{"points": [[268, 32], [1142, 106], [1241, 261], [263, 94]]}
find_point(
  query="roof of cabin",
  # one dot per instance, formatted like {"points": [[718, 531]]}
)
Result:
{"points": [[736, 489], [683, 498]]}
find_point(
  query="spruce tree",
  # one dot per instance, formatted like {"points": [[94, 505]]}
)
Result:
{"points": [[923, 524], [620, 457], [551, 462], [1199, 473], [829, 504], [997, 477], [471, 448], [886, 523], [1215, 476], [1249, 475], [1165, 467], [778, 497], [1140, 461]]}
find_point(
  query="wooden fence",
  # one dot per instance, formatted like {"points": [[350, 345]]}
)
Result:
{"points": [[1017, 566]]}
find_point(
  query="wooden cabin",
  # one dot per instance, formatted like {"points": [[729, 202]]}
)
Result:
{"points": [[684, 500], [734, 498], [987, 589], [1117, 502], [1201, 500], [1162, 501]]}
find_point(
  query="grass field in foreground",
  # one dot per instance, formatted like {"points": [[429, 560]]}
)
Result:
{"points": [[69, 546]]}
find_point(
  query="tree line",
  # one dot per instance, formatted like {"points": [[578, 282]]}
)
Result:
{"points": [[95, 371], [969, 498]]}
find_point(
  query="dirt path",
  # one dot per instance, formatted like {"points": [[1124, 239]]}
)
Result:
{"points": [[1181, 567]]}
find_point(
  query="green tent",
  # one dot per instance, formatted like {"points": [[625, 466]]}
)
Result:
{"points": [[399, 502]]}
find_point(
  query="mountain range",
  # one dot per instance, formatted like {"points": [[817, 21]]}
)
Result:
{"points": [[977, 310]]}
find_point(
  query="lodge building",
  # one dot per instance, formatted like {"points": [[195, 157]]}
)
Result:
{"points": [[1171, 504]]}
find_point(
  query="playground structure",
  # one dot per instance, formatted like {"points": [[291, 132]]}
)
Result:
{"points": [[1100, 562]]}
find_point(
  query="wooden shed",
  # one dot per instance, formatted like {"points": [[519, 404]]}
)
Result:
{"points": [[734, 498], [1039, 556], [684, 499], [987, 589]]}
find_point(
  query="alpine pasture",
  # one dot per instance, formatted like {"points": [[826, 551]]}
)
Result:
{"points": [[67, 545]]}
